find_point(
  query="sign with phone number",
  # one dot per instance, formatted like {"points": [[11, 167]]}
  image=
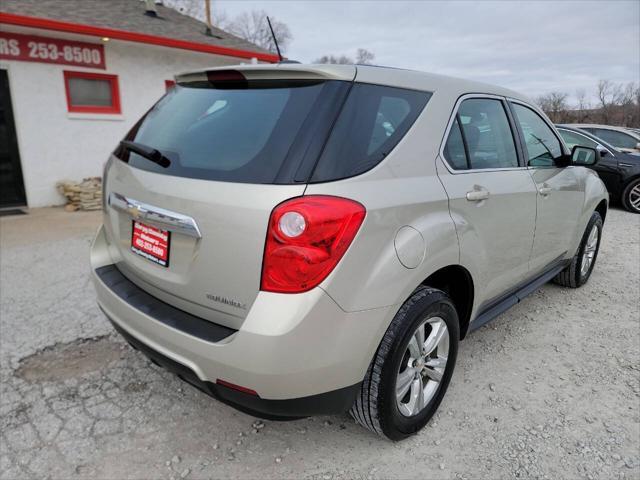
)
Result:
{"points": [[30, 48]]}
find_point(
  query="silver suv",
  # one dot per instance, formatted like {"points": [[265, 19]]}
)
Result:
{"points": [[299, 240]]}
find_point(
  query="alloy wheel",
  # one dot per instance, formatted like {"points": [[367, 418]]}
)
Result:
{"points": [[634, 197], [422, 366], [589, 252]]}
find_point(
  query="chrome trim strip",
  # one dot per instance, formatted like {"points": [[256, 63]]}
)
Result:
{"points": [[173, 221]]}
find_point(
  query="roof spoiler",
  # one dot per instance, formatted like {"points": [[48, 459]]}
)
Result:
{"points": [[279, 71]]}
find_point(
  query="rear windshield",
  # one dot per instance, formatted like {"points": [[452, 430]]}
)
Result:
{"points": [[275, 132]]}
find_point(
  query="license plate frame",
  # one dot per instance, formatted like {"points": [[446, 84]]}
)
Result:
{"points": [[151, 243]]}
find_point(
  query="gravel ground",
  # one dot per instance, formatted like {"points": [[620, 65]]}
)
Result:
{"points": [[548, 390]]}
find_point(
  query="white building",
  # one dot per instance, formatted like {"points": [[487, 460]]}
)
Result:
{"points": [[76, 75]]}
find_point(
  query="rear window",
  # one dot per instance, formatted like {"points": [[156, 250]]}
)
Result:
{"points": [[239, 135], [274, 132]]}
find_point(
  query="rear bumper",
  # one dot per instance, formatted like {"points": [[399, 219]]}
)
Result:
{"points": [[325, 403], [301, 353]]}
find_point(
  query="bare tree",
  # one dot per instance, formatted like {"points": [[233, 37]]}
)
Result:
{"points": [[636, 112], [339, 60], [253, 27], [581, 113], [363, 57], [609, 94], [628, 106], [554, 104]]}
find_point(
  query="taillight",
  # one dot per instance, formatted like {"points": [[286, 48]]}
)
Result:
{"points": [[306, 239]]}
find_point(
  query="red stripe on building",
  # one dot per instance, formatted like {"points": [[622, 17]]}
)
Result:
{"points": [[57, 25]]}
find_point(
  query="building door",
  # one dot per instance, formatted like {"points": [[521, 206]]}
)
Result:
{"points": [[11, 184]]}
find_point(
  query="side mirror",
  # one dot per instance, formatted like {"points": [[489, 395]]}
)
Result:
{"points": [[638, 146], [584, 156], [602, 151]]}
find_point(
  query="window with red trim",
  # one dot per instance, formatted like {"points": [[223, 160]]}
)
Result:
{"points": [[92, 92]]}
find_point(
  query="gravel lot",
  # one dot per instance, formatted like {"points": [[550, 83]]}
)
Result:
{"points": [[551, 389]]}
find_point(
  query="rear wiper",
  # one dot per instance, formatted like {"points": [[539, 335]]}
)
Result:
{"points": [[149, 153]]}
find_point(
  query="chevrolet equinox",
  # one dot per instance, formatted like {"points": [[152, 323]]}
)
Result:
{"points": [[298, 240]]}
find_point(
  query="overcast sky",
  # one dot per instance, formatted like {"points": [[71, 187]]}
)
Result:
{"points": [[530, 46]]}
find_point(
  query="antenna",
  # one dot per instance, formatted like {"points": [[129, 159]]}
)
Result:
{"points": [[275, 40]]}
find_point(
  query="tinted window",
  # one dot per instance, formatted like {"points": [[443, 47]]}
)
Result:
{"points": [[541, 144], [372, 122], [617, 139], [454, 148], [240, 135], [572, 139], [485, 132]]}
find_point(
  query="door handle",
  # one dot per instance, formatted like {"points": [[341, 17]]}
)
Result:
{"points": [[477, 195], [544, 191]]}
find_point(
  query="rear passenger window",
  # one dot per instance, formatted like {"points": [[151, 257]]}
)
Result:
{"points": [[542, 145], [481, 137], [617, 139], [372, 122]]}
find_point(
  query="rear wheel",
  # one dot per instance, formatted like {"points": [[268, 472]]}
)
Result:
{"points": [[631, 196], [579, 270], [411, 370]]}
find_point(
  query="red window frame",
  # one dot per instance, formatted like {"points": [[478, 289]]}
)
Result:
{"points": [[114, 108]]}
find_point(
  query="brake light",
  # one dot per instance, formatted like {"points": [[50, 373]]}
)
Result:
{"points": [[306, 239], [226, 79]]}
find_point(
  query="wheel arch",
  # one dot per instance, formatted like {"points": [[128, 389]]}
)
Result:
{"points": [[602, 208], [457, 282]]}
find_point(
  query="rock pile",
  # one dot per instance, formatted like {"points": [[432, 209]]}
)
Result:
{"points": [[85, 195]]}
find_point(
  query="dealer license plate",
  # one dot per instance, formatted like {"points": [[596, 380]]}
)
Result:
{"points": [[151, 243]]}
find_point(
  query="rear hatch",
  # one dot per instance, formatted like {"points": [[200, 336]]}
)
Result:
{"points": [[191, 188]]}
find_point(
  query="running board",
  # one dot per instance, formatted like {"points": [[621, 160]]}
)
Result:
{"points": [[509, 301]]}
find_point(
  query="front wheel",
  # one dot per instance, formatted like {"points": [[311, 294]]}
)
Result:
{"points": [[631, 196], [412, 367], [579, 270]]}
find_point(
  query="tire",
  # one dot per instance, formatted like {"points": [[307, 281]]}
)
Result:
{"points": [[574, 275], [376, 407], [631, 196]]}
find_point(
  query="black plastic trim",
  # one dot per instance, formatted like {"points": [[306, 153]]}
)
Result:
{"points": [[329, 403], [506, 302], [128, 291]]}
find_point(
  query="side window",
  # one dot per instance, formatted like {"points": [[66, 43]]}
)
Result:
{"points": [[373, 120], [572, 139], [391, 113], [542, 145], [617, 139], [454, 148], [481, 137]]}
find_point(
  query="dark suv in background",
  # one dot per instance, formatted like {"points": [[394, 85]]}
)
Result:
{"points": [[620, 171]]}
